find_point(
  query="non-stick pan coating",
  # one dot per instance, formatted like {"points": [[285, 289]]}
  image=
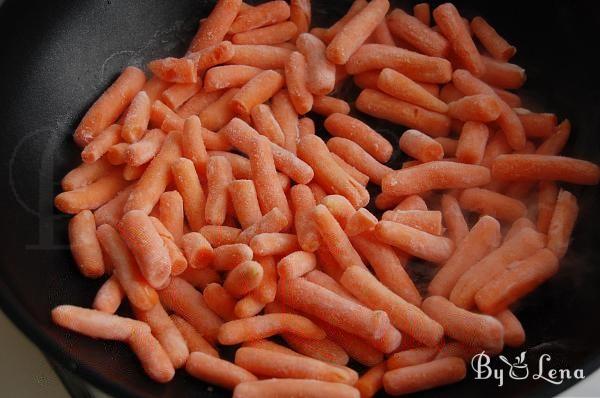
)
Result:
{"points": [[57, 57]]}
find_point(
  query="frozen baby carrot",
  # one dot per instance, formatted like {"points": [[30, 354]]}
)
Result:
{"points": [[177, 94], [327, 173], [174, 70], [265, 123], [344, 126], [197, 249], [109, 296], [357, 157], [519, 279], [502, 74], [217, 371], [420, 146], [321, 79], [492, 203], [296, 264], [434, 175], [411, 357], [286, 116], [422, 12], [243, 278], [194, 340], [383, 106], [467, 327], [199, 278], [418, 34], [198, 102], [277, 364], [96, 324], [554, 144], [426, 220], [382, 35], [192, 144], [228, 76], [303, 203], [477, 108], [245, 202], [296, 75], [522, 245], [110, 105], [339, 207], [322, 279], [514, 335], [188, 185], [424, 376], [526, 167], [262, 326], [272, 34], [101, 143], [219, 113], [260, 56], [325, 105], [495, 44], [406, 317], [171, 213], [144, 150], [472, 142], [152, 356], [156, 177], [273, 244], [272, 222], [477, 243], [91, 196], [265, 14], [84, 245], [117, 154], [562, 223], [147, 246], [220, 301], [453, 218], [256, 91], [275, 388], [359, 176], [218, 175], [125, 269], [333, 30], [537, 124], [136, 118], [547, 195], [361, 221], [371, 381], [85, 174], [154, 87], [217, 24], [354, 33], [399, 86], [300, 14]]}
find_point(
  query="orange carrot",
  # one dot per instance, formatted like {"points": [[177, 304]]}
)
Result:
{"points": [[228, 76], [174, 70], [407, 317], [528, 167], [562, 223], [219, 113], [354, 33], [188, 185], [339, 207], [109, 296], [495, 44], [84, 245], [136, 118], [300, 14], [296, 75], [554, 144], [279, 387], [477, 108], [101, 143], [265, 14], [411, 357], [359, 176], [472, 142], [306, 126], [422, 12], [357, 157], [117, 154], [91, 196], [272, 34], [383, 106], [197, 249], [217, 24], [547, 196], [192, 144], [303, 203], [112, 211], [219, 175], [243, 278], [454, 218], [220, 301], [194, 340], [434, 175], [522, 245], [245, 202], [361, 221], [286, 116], [537, 124], [198, 102], [420, 146], [144, 150], [424, 376], [260, 56], [514, 335], [171, 213], [321, 79], [371, 381], [199, 278], [272, 222], [152, 355], [227, 257], [492, 203], [418, 34], [449, 145], [110, 105], [85, 174], [265, 123], [325, 105], [177, 94], [156, 177], [403, 88], [367, 79], [296, 264], [382, 35], [154, 87], [273, 243], [256, 91], [519, 279], [424, 220], [217, 371], [502, 74]]}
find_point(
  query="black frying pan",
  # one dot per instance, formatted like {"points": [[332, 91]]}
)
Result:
{"points": [[57, 57]]}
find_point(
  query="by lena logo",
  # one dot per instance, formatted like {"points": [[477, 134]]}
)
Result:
{"points": [[519, 370]]}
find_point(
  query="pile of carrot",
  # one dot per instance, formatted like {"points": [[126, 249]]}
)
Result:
{"points": [[206, 200]]}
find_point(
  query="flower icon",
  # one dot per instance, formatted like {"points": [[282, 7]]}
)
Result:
{"points": [[519, 369]]}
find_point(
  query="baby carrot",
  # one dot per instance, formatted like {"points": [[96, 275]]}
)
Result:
{"points": [[177, 94], [166, 333], [91, 196], [227, 257], [387, 266], [385, 107], [243, 278], [321, 79], [84, 245], [263, 326], [265, 14], [344, 126], [420, 244], [422, 12], [256, 91], [502, 74], [153, 357], [220, 301], [300, 14], [228, 76], [214, 28], [194, 340], [562, 223], [407, 317], [275, 388], [528, 167], [453, 28], [359, 176], [479, 242], [136, 118], [357, 157], [192, 144], [96, 324], [382, 35], [492, 203], [418, 34], [367, 79], [554, 144], [200, 278], [110, 105], [371, 381], [260, 56], [453, 218], [171, 213], [156, 177], [219, 113], [472, 142], [420, 146], [339, 207], [245, 202], [519, 279], [273, 244], [272, 222], [265, 123], [144, 150], [547, 196], [272, 34], [399, 86], [537, 124], [495, 44], [361, 221], [296, 75], [198, 102], [154, 87], [522, 245], [413, 65], [467, 327], [112, 211], [354, 33], [325, 105], [303, 203], [514, 335], [218, 175], [476, 108], [85, 174], [424, 376], [296, 264], [434, 175], [174, 70], [287, 118], [117, 154], [217, 371], [188, 185], [197, 249], [109, 296], [425, 220], [101, 143], [411, 357]]}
